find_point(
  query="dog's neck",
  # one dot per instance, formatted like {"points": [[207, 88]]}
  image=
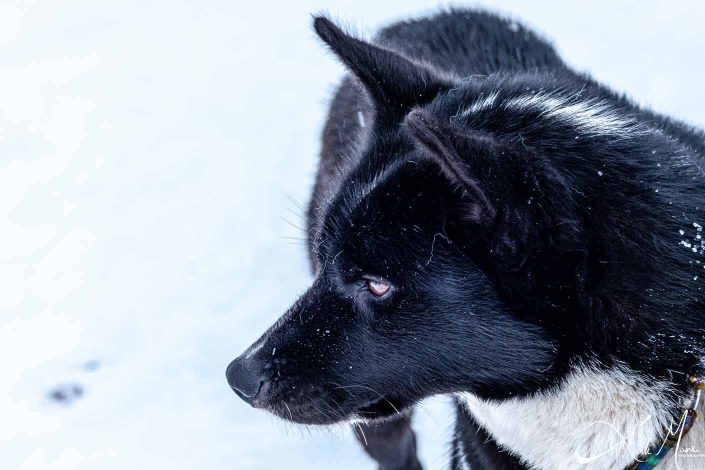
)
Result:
{"points": [[595, 418]]}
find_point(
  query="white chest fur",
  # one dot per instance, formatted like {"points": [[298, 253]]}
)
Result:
{"points": [[597, 419]]}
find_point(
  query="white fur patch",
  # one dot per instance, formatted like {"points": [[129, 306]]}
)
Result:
{"points": [[481, 104], [361, 119], [594, 419], [592, 116]]}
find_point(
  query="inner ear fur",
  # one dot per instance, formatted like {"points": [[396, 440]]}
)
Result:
{"points": [[496, 186], [442, 144]]}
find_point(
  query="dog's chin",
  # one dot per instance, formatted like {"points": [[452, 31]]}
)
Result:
{"points": [[308, 415]]}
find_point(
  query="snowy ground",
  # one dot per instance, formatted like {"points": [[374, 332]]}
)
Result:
{"points": [[151, 154]]}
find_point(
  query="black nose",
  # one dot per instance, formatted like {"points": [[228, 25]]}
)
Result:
{"points": [[244, 378]]}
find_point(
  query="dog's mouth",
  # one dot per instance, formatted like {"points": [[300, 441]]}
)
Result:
{"points": [[381, 407], [323, 413]]}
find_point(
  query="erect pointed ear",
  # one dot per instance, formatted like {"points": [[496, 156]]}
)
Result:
{"points": [[441, 143], [395, 82]]}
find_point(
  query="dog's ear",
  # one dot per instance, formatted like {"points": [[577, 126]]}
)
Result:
{"points": [[484, 169], [442, 143], [395, 83]]}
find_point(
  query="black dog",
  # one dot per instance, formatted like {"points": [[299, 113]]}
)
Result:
{"points": [[490, 224]]}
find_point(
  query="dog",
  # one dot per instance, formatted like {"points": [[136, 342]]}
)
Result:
{"points": [[487, 223]]}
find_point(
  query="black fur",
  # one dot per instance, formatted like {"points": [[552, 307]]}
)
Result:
{"points": [[472, 444], [516, 241]]}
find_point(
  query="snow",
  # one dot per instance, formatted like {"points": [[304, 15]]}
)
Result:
{"points": [[154, 158]]}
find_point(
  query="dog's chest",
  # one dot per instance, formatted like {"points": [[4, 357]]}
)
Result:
{"points": [[595, 419]]}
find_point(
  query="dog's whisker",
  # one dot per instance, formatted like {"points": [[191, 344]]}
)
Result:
{"points": [[296, 204], [301, 229], [289, 410], [293, 212], [298, 239], [362, 431]]}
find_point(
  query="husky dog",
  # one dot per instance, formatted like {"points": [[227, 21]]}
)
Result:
{"points": [[489, 224]]}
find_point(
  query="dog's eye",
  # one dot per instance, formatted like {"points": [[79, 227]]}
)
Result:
{"points": [[378, 288]]}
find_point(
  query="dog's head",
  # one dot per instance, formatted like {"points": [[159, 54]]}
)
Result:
{"points": [[426, 263]]}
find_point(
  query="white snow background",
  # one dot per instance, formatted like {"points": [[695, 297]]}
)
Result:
{"points": [[149, 156]]}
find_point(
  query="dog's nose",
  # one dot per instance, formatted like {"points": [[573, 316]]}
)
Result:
{"points": [[244, 378]]}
